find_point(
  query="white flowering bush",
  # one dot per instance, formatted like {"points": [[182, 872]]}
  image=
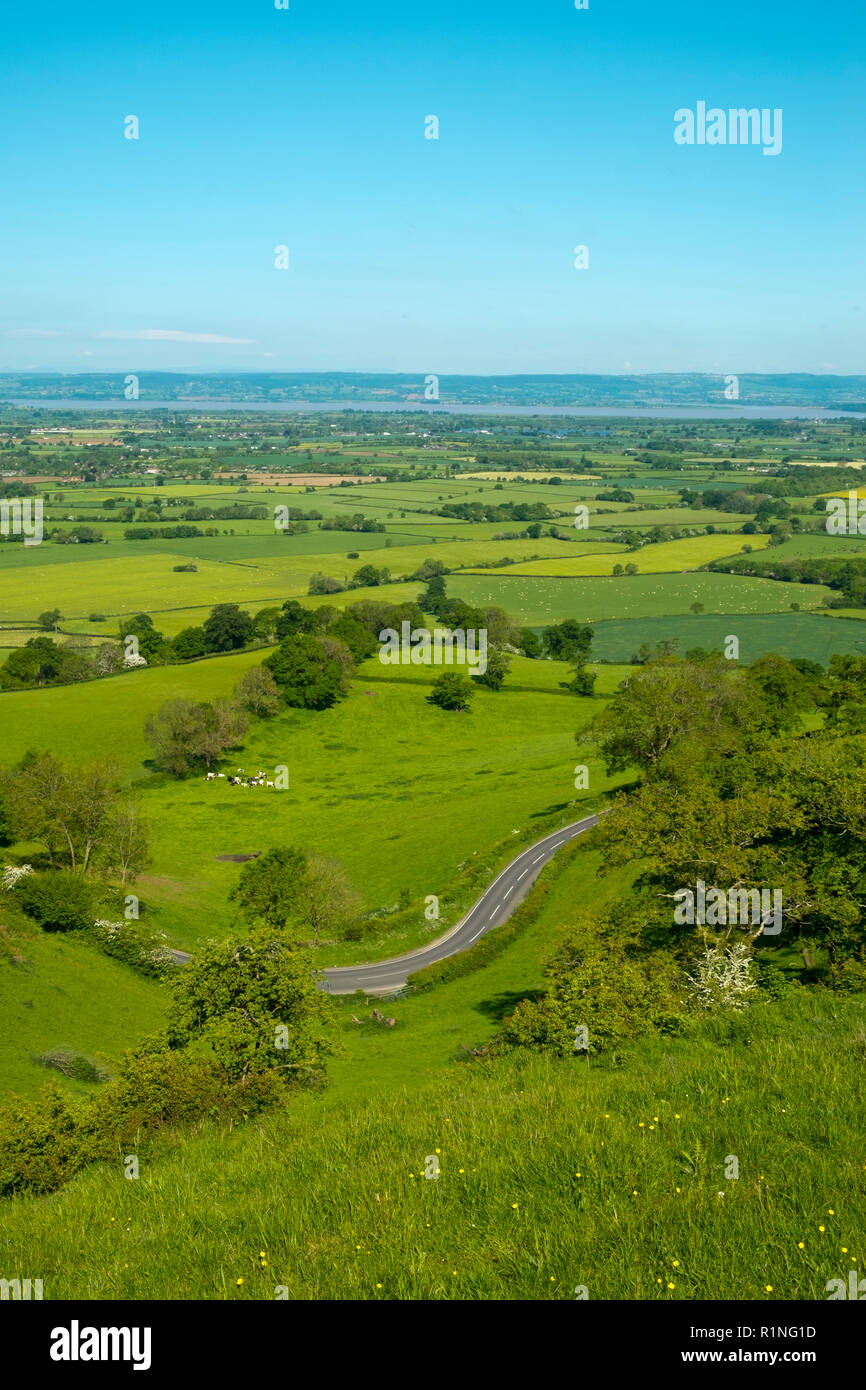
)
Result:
{"points": [[141, 949], [130, 661], [13, 873], [723, 978]]}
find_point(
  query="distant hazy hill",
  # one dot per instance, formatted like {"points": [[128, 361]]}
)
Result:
{"points": [[673, 388]]}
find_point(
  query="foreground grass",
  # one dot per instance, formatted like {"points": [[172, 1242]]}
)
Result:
{"points": [[553, 1175]]}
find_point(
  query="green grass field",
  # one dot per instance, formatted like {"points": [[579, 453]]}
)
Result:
{"points": [[541, 601], [145, 580], [667, 557], [790, 634], [555, 1176], [400, 792]]}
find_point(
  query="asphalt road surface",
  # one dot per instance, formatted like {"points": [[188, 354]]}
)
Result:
{"points": [[494, 907]]}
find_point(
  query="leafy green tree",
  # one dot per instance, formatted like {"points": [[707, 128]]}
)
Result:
{"points": [[582, 682], [601, 982], [286, 890], [429, 569], [256, 1004], [785, 689], [668, 707], [452, 690], [227, 628], [321, 583], [434, 595], [184, 734], [150, 642], [294, 620], [268, 889], [308, 677], [39, 662], [125, 844], [63, 806], [190, 642], [265, 624], [258, 692], [568, 641], [57, 901], [369, 576], [497, 669], [529, 642], [50, 620], [358, 638]]}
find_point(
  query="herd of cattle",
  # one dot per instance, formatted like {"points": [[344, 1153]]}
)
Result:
{"points": [[241, 779]]}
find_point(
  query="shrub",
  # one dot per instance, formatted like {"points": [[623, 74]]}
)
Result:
{"points": [[57, 901], [13, 873], [137, 947], [73, 1064], [771, 980], [600, 983], [44, 1142], [452, 691], [723, 978]]}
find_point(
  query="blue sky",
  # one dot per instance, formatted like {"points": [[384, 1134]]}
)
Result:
{"points": [[261, 127]]}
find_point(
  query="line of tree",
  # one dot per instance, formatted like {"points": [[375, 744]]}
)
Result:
{"points": [[737, 789]]}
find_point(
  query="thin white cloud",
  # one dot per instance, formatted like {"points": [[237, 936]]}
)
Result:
{"points": [[32, 333], [168, 335]]}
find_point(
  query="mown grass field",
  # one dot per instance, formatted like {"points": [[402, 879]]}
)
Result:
{"points": [[667, 557], [537, 602], [145, 580]]}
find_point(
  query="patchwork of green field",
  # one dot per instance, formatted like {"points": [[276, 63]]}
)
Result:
{"points": [[812, 545], [626, 517], [537, 602], [812, 635], [667, 557], [146, 581], [241, 548]]}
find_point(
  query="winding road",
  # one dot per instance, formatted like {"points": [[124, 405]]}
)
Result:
{"points": [[495, 906]]}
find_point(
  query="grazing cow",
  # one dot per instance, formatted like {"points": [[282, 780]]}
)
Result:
{"points": [[270, 784]]}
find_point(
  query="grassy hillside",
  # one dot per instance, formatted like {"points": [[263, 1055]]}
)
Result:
{"points": [[553, 1175], [58, 992], [400, 792]]}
